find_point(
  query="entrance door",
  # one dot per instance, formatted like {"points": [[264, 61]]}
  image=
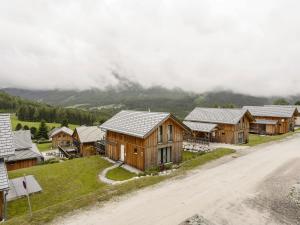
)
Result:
{"points": [[122, 153], [241, 137]]}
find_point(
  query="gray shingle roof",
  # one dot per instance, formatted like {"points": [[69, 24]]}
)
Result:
{"points": [[216, 115], [22, 139], [6, 136], [62, 129], [271, 111], [24, 154], [89, 134], [135, 123], [290, 106], [4, 183], [201, 127], [271, 122]]}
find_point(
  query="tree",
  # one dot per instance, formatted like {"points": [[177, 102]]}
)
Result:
{"points": [[26, 127], [33, 131], [297, 103], [281, 101], [43, 130], [19, 126], [64, 123]]}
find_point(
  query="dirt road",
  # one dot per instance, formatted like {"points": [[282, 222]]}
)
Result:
{"points": [[244, 191]]}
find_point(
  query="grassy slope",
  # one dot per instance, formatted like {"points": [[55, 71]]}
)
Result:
{"points": [[15, 121], [260, 139], [60, 182], [44, 146], [74, 184], [120, 174]]}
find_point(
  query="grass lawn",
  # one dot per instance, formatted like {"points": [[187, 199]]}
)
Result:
{"points": [[15, 121], [44, 146], [74, 184], [255, 139], [186, 155], [201, 159], [120, 174]]}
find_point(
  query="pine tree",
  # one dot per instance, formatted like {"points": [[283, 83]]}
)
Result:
{"points": [[64, 123], [33, 132], [43, 130], [19, 126]]}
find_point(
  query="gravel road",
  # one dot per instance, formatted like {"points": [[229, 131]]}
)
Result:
{"points": [[252, 189]]}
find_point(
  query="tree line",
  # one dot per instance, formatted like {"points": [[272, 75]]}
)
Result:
{"points": [[32, 111]]}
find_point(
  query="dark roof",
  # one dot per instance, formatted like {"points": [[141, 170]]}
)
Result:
{"points": [[136, 123], [217, 115], [6, 136], [201, 127], [272, 111]]}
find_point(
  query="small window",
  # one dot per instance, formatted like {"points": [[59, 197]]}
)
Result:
{"points": [[135, 151], [160, 134], [223, 133], [170, 133]]}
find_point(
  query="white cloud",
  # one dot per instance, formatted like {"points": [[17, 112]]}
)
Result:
{"points": [[247, 46]]}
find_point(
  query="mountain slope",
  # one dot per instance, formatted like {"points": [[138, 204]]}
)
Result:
{"points": [[135, 97]]}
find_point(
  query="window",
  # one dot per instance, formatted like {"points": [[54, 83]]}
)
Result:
{"points": [[164, 155], [135, 151], [160, 134], [170, 133]]}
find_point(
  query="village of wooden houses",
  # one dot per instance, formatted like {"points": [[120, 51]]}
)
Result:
{"points": [[129, 151]]}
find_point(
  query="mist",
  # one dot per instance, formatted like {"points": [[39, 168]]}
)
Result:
{"points": [[251, 47]]}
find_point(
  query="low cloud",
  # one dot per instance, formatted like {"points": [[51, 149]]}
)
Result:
{"points": [[251, 47]]}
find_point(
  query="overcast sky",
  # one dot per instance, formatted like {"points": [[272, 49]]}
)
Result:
{"points": [[248, 46]]}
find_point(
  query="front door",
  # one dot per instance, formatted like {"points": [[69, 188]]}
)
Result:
{"points": [[122, 153], [241, 137]]}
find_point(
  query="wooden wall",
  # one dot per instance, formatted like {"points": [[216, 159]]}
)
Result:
{"points": [[133, 157], [151, 144], [284, 124], [229, 134], [266, 129], [142, 153], [61, 139], [20, 164], [85, 149]]}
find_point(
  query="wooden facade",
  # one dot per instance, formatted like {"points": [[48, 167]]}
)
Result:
{"points": [[85, 149], [15, 165], [62, 139], [283, 125], [228, 133], [144, 153]]}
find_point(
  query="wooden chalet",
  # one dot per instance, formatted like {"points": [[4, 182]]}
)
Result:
{"points": [[144, 139], [26, 152], [61, 136], [229, 126], [6, 150], [85, 139], [297, 121], [272, 120]]}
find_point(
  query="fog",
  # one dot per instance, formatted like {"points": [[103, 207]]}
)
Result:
{"points": [[252, 47]]}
